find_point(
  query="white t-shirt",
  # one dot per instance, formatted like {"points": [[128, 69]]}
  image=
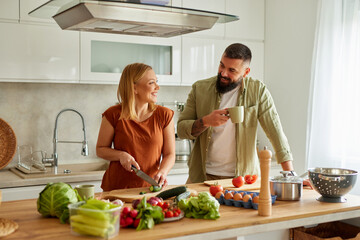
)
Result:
{"points": [[221, 156]]}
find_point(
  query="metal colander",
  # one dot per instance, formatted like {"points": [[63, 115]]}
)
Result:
{"points": [[332, 183]]}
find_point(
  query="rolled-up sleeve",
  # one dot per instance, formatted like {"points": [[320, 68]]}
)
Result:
{"points": [[270, 122]]}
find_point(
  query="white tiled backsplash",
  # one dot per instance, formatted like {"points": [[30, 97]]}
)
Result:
{"points": [[31, 109]]}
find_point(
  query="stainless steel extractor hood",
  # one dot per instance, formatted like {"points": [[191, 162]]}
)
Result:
{"points": [[128, 18]]}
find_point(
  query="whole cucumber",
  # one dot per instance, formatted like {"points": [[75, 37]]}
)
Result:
{"points": [[173, 192]]}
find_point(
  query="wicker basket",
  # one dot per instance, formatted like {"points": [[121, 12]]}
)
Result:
{"points": [[7, 143], [328, 231]]}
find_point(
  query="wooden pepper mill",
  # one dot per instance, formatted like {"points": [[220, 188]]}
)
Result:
{"points": [[265, 196]]}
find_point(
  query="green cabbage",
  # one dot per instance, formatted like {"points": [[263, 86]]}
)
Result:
{"points": [[54, 198]]}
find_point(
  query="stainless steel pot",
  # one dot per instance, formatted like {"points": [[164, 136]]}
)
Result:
{"points": [[286, 187], [182, 149]]}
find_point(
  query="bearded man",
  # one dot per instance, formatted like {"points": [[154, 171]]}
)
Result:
{"points": [[223, 149]]}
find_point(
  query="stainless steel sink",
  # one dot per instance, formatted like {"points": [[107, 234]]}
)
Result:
{"points": [[65, 170]]}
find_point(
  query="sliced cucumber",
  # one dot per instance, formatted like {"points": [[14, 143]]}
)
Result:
{"points": [[155, 188], [173, 192]]}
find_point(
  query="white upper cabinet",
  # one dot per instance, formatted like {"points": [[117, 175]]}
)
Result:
{"points": [[217, 30], [103, 57], [201, 58], [37, 50], [9, 10], [202, 51], [33, 53], [251, 25], [27, 6]]}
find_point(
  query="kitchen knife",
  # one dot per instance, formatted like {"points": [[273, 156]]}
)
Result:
{"points": [[144, 176]]}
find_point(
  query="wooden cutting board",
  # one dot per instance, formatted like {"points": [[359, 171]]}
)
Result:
{"points": [[227, 184], [130, 194]]}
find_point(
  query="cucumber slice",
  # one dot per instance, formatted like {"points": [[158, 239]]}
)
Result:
{"points": [[155, 188]]}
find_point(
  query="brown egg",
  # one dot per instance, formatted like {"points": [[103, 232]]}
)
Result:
{"points": [[255, 199], [237, 197], [247, 197], [251, 194], [218, 195], [229, 195]]}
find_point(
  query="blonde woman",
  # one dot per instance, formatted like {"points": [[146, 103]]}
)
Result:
{"points": [[136, 132]]}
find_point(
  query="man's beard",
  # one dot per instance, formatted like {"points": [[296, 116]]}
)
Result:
{"points": [[222, 88]]}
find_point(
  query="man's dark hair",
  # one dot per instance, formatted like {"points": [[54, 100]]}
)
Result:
{"points": [[238, 51]]}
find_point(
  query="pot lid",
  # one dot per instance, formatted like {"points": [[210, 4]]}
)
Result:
{"points": [[286, 178]]}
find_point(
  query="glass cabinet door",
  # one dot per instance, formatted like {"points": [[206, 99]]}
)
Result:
{"points": [[114, 56], [104, 56]]}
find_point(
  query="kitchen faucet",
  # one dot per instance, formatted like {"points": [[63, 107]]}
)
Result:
{"points": [[54, 157]]}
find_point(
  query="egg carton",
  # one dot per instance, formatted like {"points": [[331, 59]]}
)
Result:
{"points": [[240, 203]]}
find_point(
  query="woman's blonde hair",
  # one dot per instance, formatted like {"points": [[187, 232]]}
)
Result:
{"points": [[131, 74]]}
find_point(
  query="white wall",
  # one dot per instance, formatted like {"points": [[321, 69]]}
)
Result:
{"points": [[289, 38]]}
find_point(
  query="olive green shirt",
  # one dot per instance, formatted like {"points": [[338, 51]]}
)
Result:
{"points": [[258, 105]]}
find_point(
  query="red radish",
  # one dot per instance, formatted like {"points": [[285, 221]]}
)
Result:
{"points": [[122, 222], [126, 210], [129, 221], [133, 213], [136, 223]]}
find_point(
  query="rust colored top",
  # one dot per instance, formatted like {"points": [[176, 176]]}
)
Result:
{"points": [[142, 140]]}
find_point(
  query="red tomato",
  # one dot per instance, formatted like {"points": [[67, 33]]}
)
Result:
{"points": [[165, 205], [177, 210], [160, 204], [238, 181], [169, 214], [250, 179], [215, 188], [175, 213]]}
